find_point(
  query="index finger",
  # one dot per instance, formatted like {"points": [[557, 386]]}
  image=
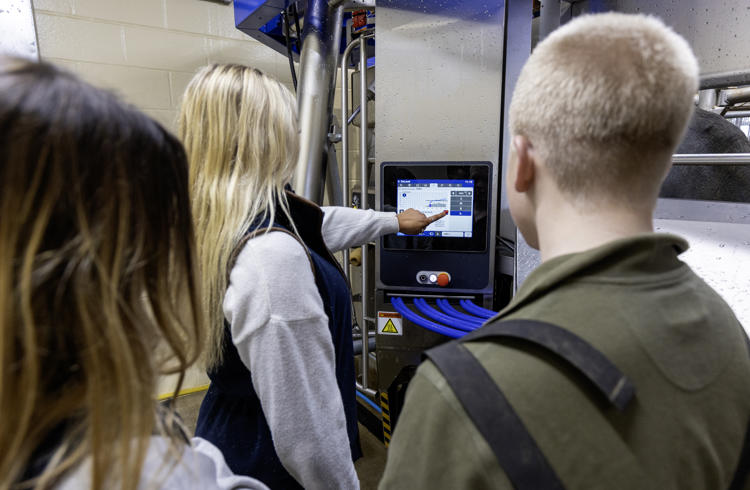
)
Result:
{"points": [[435, 217]]}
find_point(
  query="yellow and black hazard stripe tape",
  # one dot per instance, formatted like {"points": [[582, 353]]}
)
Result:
{"points": [[386, 418]]}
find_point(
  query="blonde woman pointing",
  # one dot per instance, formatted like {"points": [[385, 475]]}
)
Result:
{"points": [[281, 405]]}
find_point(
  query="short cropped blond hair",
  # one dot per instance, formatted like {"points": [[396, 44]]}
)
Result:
{"points": [[605, 101]]}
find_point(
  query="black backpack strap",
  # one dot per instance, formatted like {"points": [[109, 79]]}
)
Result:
{"points": [[491, 412], [588, 361], [494, 417], [743, 466]]}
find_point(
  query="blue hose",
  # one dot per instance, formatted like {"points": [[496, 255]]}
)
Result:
{"points": [[399, 306], [452, 322], [364, 398], [476, 310], [448, 309]]}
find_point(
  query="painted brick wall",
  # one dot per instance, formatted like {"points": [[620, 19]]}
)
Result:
{"points": [[147, 50]]}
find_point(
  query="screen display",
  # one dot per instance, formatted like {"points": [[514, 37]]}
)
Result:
{"points": [[461, 188], [433, 196]]}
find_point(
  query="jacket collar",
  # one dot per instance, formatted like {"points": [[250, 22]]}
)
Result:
{"points": [[624, 259]]}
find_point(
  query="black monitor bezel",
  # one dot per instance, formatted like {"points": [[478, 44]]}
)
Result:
{"points": [[391, 172]]}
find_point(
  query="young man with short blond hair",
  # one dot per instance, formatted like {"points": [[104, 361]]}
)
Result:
{"points": [[597, 112]]}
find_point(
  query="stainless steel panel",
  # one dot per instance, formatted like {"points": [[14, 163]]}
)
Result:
{"points": [[719, 237], [17, 29], [439, 82], [518, 47], [716, 29], [718, 212]]}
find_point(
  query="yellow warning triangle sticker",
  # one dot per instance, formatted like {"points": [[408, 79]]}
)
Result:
{"points": [[389, 327]]}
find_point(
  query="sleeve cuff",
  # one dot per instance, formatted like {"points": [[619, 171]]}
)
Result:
{"points": [[392, 223]]}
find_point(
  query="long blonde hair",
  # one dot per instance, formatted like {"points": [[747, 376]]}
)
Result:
{"points": [[239, 128], [95, 232]]}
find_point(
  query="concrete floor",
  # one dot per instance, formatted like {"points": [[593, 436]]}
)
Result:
{"points": [[369, 467]]}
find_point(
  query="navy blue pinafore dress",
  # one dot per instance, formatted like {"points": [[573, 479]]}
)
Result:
{"points": [[231, 416]]}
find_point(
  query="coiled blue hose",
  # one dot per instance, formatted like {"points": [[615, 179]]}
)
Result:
{"points": [[444, 305], [476, 310], [399, 306], [452, 322]]}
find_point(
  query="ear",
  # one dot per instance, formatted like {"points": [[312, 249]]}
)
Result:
{"points": [[525, 164]]}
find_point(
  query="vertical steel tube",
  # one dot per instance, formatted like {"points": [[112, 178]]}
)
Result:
{"points": [[549, 17], [333, 179], [364, 184], [707, 99], [345, 137], [317, 65]]}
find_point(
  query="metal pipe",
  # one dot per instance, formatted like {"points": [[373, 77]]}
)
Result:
{"points": [[707, 99], [345, 137], [725, 79], [317, 64], [353, 115], [352, 4], [732, 114], [337, 19], [333, 179], [364, 181], [549, 17], [290, 56], [737, 95], [712, 159]]}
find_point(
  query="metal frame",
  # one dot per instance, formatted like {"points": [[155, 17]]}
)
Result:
{"points": [[362, 43], [711, 159], [364, 184], [517, 51], [345, 121]]}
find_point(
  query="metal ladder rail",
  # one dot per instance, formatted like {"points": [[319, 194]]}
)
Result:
{"points": [[366, 320]]}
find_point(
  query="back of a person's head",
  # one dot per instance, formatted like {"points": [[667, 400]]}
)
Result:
{"points": [[239, 128], [95, 238], [604, 101]]}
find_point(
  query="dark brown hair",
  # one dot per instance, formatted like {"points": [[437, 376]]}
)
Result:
{"points": [[96, 276]]}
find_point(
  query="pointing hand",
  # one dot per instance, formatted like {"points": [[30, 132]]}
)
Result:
{"points": [[412, 222]]}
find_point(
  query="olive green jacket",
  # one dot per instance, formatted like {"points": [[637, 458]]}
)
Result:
{"points": [[651, 315]]}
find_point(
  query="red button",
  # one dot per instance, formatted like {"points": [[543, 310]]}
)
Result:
{"points": [[443, 279]]}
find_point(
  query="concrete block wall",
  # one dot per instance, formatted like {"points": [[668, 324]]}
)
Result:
{"points": [[147, 50]]}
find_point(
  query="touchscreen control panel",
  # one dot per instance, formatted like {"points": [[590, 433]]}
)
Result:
{"points": [[433, 196], [453, 254], [460, 188]]}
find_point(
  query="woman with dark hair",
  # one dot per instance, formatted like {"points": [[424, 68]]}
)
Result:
{"points": [[96, 278]]}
